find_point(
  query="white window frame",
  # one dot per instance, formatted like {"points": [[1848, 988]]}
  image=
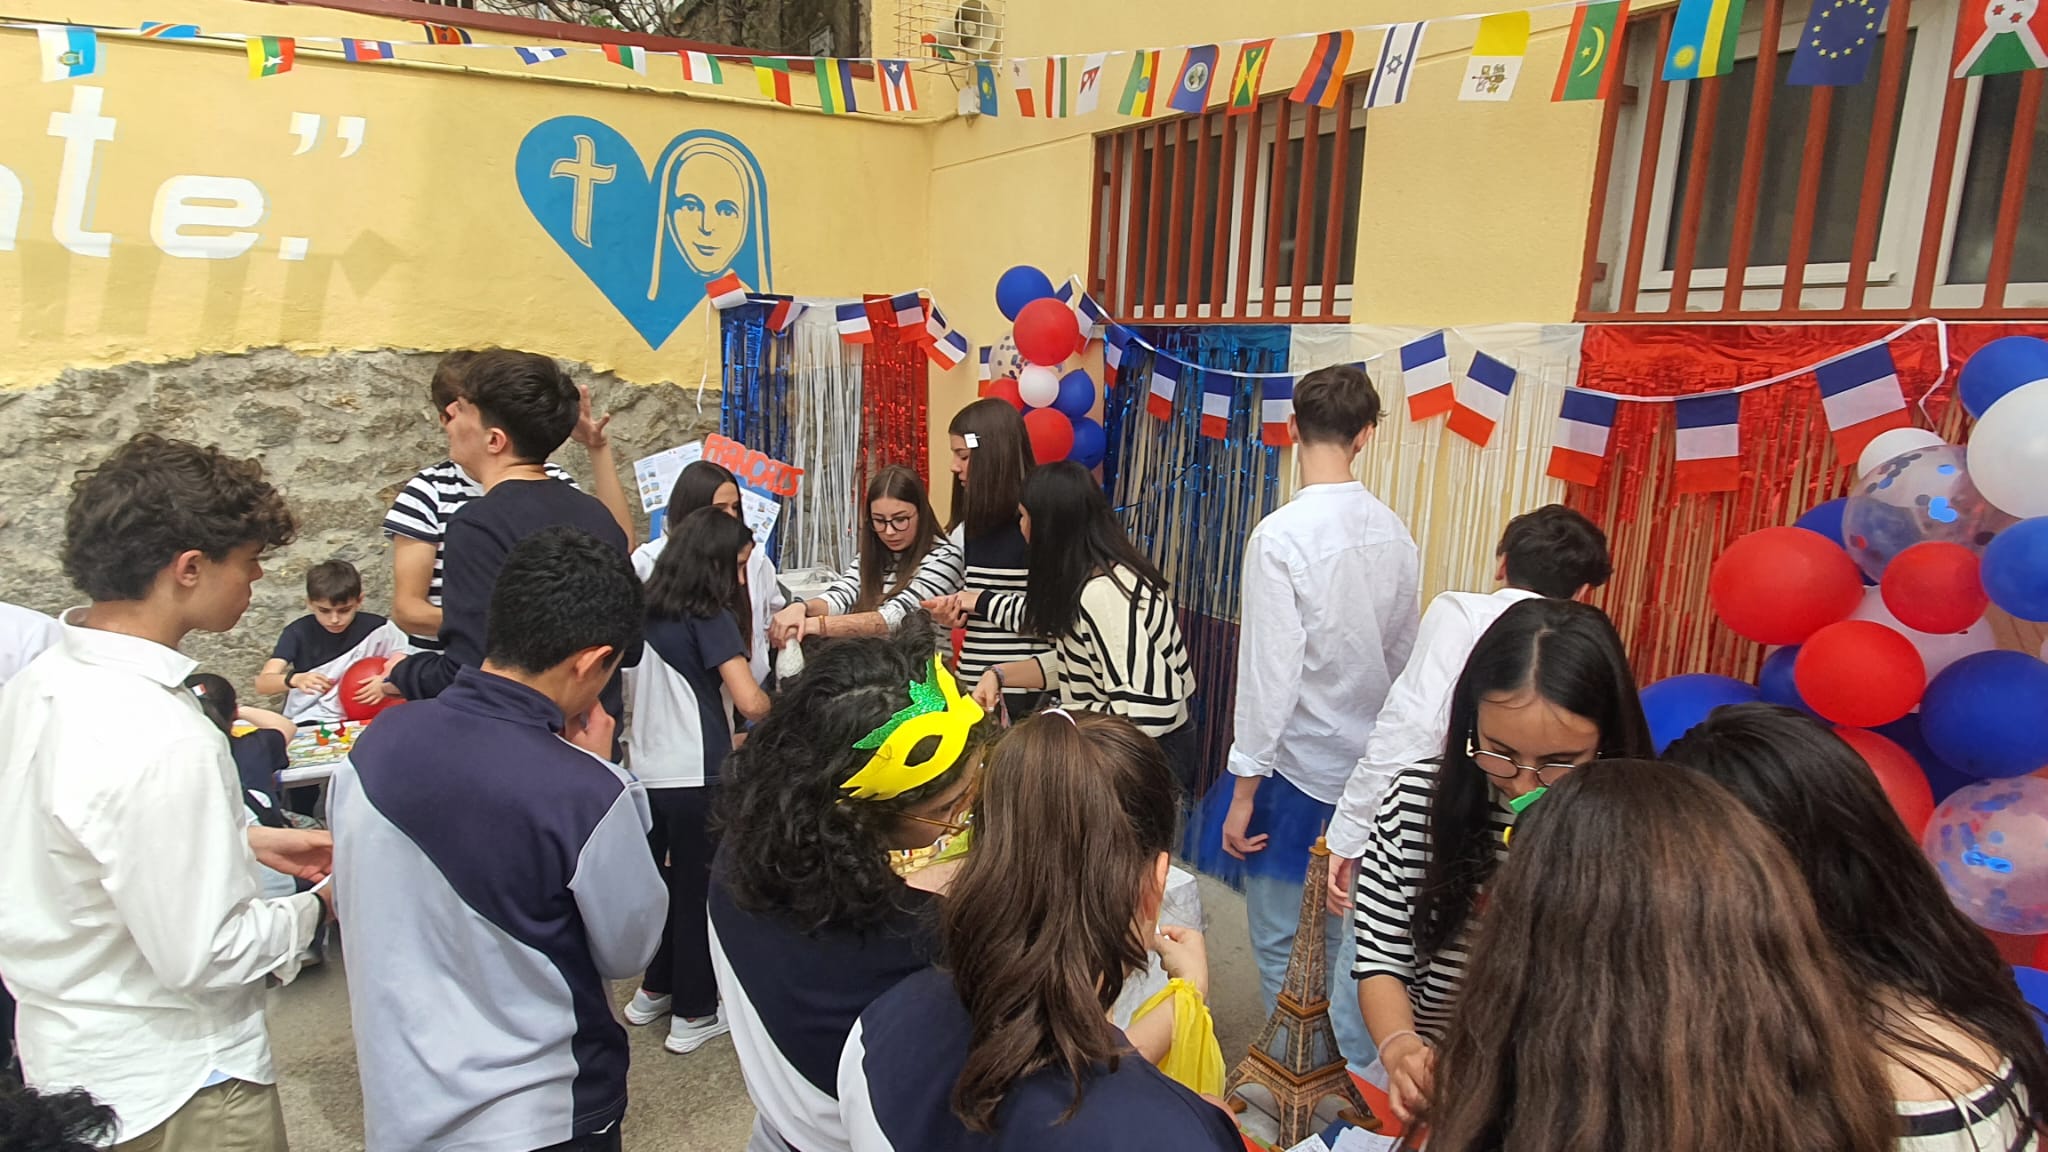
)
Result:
{"points": [[2018, 294]]}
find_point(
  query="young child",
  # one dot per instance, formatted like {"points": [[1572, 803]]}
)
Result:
{"points": [[316, 649]]}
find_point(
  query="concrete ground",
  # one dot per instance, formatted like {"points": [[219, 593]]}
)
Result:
{"points": [[694, 1103]]}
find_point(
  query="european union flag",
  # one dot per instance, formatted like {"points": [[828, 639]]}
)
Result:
{"points": [[1837, 44]]}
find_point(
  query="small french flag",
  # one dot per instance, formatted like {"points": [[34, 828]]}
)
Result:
{"points": [[985, 374], [1165, 382], [1860, 394], [853, 323], [782, 311], [947, 351], [1276, 404], [1709, 443], [1584, 423], [1216, 391], [1481, 398], [1426, 377], [909, 309], [935, 326], [726, 291], [1065, 292], [1092, 315], [1115, 346]]}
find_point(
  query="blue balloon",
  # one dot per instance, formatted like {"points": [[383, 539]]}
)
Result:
{"points": [[1998, 368], [1905, 732], [1983, 714], [1077, 394], [1091, 443], [1020, 286], [1826, 519], [1676, 705], [2015, 571], [2034, 990], [1774, 681]]}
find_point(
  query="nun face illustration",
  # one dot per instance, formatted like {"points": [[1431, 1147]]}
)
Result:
{"points": [[709, 218]]}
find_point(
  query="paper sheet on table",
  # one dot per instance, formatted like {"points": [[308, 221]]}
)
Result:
{"points": [[656, 477], [1359, 1140]]}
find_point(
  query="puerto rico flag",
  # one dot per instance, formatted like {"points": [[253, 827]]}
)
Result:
{"points": [[1482, 398], [1709, 443], [1276, 404], [1165, 382], [1426, 377], [1860, 394], [853, 323], [909, 309], [1216, 389], [726, 291], [1115, 346], [947, 351], [1578, 452], [899, 91]]}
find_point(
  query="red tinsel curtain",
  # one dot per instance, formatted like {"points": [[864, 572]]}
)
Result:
{"points": [[895, 395], [1664, 544]]}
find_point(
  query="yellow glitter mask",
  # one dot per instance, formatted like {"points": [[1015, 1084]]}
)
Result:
{"points": [[936, 708]]}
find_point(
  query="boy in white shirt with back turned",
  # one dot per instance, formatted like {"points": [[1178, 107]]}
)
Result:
{"points": [[1328, 617]]}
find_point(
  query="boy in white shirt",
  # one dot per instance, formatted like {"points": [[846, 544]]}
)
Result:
{"points": [[1328, 617]]}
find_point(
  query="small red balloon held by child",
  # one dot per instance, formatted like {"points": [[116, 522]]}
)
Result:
{"points": [[360, 673]]}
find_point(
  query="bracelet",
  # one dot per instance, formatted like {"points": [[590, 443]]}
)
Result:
{"points": [[996, 670], [1388, 1042]]}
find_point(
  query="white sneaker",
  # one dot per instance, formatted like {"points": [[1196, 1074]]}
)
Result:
{"points": [[686, 1036], [647, 1009]]}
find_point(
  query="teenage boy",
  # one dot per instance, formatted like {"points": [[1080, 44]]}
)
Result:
{"points": [[515, 410], [130, 926], [1553, 552], [1328, 617], [315, 650], [477, 973], [418, 521]]}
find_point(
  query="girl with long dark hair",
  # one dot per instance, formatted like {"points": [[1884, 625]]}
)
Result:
{"points": [[1546, 690], [841, 815], [905, 559], [1650, 975], [694, 672], [991, 460], [702, 484], [1962, 1049], [1010, 1044]]}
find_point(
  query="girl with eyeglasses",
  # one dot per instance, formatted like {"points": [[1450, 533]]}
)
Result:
{"points": [[1546, 690], [905, 559]]}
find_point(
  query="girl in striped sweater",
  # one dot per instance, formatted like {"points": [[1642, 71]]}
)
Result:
{"points": [[905, 559], [991, 460]]}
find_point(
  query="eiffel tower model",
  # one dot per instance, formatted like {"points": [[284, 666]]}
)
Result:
{"points": [[1296, 1058]]}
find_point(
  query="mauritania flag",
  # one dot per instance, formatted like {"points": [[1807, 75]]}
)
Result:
{"points": [[1589, 66], [158, 30], [627, 56], [540, 55], [271, 55], [701, 68], [1323, 78], [835, 85], [899, 90], [1482, 399], [1703, 39], [68, 53], [1496, 57], [1251, 69], [1142, 83], [364, 51], [1585, 424]]}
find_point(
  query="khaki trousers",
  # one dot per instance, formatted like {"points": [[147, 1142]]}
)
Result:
{"points": [[233, 1117]]}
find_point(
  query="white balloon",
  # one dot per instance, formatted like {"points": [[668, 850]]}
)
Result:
{"points": [[1894, 442], [1038, 385], [2009, 452], [1937, 650]]}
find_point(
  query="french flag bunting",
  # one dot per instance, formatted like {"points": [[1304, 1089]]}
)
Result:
{"points": [[1709, 443], [1482, 398], [853, 323], [985, 374], [1426, 377], [1064, 293], [1276, 404], [1216, 396], [1116, 345], [909, 309], [947, 351], [1092, 315], [782, 310], [1861, 395], [1165, 382], [1584, 424], [935, 326], [726, 291]]}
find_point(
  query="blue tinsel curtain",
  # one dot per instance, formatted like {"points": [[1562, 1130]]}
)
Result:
{"points": [[754, 388], [1190, 502]]}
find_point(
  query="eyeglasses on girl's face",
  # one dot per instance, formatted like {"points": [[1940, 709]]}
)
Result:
{"points": [[898, 523], [1504, 767], [959, 814]]}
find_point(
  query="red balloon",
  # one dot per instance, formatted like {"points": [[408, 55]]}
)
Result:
{"points": [[1005, 389], [1860, 673], [1933, 587], [368, 668], [1901, 777], [1781, 585], [1052, 436], [1047, 332]]}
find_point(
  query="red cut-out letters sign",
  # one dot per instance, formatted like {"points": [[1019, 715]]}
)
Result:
{"points": [[754, 469]]}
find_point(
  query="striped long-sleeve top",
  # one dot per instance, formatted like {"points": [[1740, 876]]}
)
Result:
{"points": [[941, 574], [996, 562], [1390, 875], [1124, 655]]}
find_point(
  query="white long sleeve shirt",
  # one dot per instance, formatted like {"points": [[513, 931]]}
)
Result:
{"points": [[131, 931], [1416, 718], [1328, 617]]}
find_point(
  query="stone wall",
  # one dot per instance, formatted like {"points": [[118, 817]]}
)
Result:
{"points": [[339, 434]]}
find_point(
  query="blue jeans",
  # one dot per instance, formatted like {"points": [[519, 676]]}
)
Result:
{"points": [[1273, 908]]}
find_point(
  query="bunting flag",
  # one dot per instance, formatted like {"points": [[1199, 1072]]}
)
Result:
{"points": [[853, 323], [935, 326], [1426, 377], [1482, 398], [1497, 54], [782, 310], [1056, 87], [726, 292], [701, 68], [69, 53], [627, 56], [1092, 317], [1197, 73], [443, 33], [1589, 70], [985, 100], [271, 55], [1115, 346], [899, 90], [1860, 394], [540, 55], [944, 52], [1838, 42], [985, 374], [1323, 79], [835, 85], [1165, 382], [1709, 444], [1216, 393], [947, 351], [1703, 38], [1020, 85], [364, 51], [1585, 422], [1276, 404], [1994, 37], [1399, 53], [1140, 85], [908, 309], [1090, 95], [772, 75], [1250, 72], [158, 30]]}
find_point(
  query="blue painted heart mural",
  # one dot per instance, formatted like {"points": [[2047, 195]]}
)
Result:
{"points": [[649, 241]]}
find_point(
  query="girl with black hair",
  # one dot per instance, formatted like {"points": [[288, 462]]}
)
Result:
{"points": [[694, 672], [702, 484], [1546, 690], [905, 559], [991, 460], [1962, 1049], [840, 817], [259, 754]]}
